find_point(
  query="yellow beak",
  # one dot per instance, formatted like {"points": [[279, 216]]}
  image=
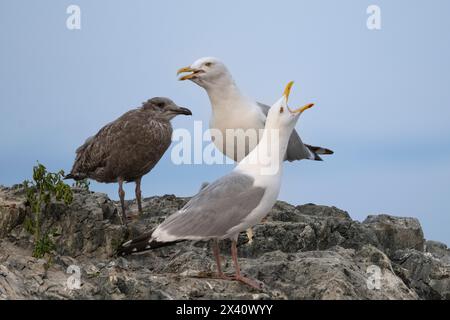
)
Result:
{"points": [[301, 109], [287, 92], [188, 76]]}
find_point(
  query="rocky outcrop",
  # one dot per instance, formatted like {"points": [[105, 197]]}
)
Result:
{"points": [[300, 252], [394, 233], [12, 210]]}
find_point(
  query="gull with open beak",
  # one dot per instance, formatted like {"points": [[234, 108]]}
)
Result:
{"points": [[192, 75], [237, 120], [234, 202]]}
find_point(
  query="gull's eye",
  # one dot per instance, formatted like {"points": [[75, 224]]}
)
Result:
{"points": [[281, 110], [208, 64], [160, 104]]}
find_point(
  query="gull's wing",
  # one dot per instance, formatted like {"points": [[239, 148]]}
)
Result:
{"points": [[216, 209], [296, 149], [128, 147]]}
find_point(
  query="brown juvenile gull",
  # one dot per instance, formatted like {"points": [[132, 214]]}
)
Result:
{"points": [[239, 115], [129, 147], [234, 202]]}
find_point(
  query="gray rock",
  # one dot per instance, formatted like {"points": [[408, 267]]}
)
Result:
{"points": [[395, 233], [439, 250], [303, 252], [425, 274], [89, 226], [12, 209]]}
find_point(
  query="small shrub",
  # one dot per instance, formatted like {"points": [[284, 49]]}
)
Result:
{"points": [[45, 188]]}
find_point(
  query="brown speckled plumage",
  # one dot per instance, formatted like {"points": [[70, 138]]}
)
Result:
{"points": [[129, 147]]}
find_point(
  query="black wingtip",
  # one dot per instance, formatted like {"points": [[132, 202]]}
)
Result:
{"points": [[317, 158], [75, 176], [319, 150], [141, 244], [328, 151]]}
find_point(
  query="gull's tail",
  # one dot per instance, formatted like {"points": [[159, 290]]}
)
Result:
{"points": [[297, 150], [318, 150], [75, 176], [142, 243]]}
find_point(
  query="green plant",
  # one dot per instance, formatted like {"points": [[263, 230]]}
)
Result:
{"points": [[44, 245], [82, 184], [45, 187]]}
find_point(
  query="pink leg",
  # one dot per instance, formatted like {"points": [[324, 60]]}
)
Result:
{"points": [[122, 201], [250, 282], [126, 217], [216, 252], [139, 194]]}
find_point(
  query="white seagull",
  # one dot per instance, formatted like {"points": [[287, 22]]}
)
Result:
{"points": [[233, 110], [234, 202]]}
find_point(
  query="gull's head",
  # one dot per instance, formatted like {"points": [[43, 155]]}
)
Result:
{"points": [[281, 116], [206, 72], [164, 109]]}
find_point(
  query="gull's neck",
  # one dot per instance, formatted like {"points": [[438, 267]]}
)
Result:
{"points": [[224, 94], [268, 156]]}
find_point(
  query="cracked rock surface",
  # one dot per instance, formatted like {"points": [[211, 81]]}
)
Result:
{"points": [[299, 252]]}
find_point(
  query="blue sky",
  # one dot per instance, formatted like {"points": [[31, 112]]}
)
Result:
{"points": [[382, 97]]}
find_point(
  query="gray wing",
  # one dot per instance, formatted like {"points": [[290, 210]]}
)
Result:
{"points": [[216, 209], [296, 149]]}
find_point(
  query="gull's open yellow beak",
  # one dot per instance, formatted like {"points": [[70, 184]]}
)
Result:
{"points": [[188, 76], [301, 109], [287, 92]]}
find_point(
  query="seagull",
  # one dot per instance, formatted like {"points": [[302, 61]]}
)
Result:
{"points": [[129, 147], [234, 202], [235, 115], [232, 110]]}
